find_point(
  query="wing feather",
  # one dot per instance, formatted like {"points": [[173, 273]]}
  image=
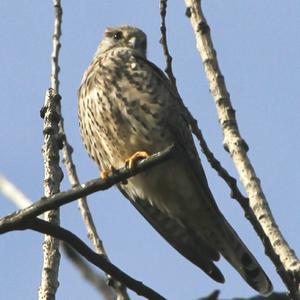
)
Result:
{"points": [[224, 240], [185, 242]]}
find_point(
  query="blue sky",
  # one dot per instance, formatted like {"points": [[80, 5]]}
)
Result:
{"points": [[258, 46]]}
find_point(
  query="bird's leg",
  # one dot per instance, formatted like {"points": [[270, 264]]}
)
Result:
{"points": [[105, 172], [132, 160]]}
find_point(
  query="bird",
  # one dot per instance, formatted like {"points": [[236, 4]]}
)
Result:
{"points": [[128, 110]]}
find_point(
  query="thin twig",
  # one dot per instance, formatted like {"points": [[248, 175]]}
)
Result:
{"points": [[284, 258], [93, 235], [163, 41], [56, 45], [82, 203], [53, 173], [10, 191], [9, 222], [96, 279], [96, 259], [215, 164]]}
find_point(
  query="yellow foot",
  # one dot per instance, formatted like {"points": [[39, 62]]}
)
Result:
{"points": [[132, 160], [104, 173]]}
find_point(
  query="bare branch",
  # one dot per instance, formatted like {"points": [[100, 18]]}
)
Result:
{"points": [[212, 296], [56, 45], [21, 201], [96, 259], [163, 41], [120, 290], [53, 177], [10, 191], [285, 260], [215, 295], [53, 173], [82, 203], [89, 274], [215, 164], [10, 222]]}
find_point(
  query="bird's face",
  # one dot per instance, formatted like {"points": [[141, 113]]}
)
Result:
{"points": [[124, 36]]}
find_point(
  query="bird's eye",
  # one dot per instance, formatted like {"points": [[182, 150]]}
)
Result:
{"points": [[117, 35]]}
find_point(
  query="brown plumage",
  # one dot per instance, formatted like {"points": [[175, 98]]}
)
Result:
{"points": [[126, 105]]}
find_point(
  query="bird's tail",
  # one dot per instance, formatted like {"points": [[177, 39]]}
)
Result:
{"points": [[238, 255]]}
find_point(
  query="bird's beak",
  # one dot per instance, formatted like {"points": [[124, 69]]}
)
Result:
{"points": [[132, 42]]}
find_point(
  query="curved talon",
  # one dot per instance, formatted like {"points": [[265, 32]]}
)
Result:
{"points": [[132, 160]]}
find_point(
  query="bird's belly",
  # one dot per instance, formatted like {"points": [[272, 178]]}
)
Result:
{"points": [[129, 137], [168, 187]]}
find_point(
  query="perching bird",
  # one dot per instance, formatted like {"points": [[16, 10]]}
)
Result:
{"points": [[129, 110]]}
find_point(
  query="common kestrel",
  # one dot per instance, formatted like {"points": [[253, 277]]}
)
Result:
{"points": [[128, 110]]}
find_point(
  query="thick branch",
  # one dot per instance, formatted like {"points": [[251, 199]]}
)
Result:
{"points": [[53, 173], [96, 259], [11, 221], [287, 264], [53, 177]]}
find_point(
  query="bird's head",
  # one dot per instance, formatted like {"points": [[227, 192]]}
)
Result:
{"points": [[124, 36]]}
